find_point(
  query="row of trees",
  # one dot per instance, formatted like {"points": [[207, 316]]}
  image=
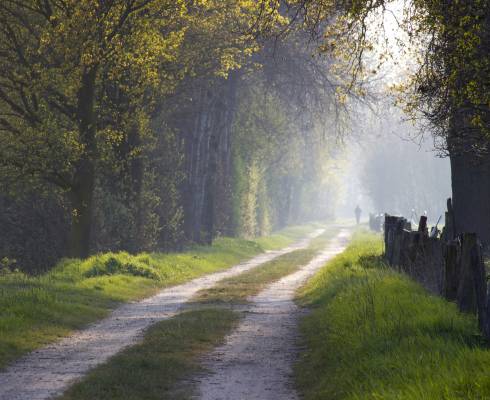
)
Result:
{"points": [[145, 124]]}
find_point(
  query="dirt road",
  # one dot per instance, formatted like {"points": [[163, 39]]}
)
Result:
{"points": [[256, 361], [49, 371]]}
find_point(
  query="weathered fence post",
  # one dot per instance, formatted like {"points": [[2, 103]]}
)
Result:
{"points": [[451, 276], [390, 224], [448, 266], [397, 241], [405, 247], [423, 226], [449, 228], [434, 265], [481, 289], [466, 297]]}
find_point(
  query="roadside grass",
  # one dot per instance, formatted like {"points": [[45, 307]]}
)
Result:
{"points": [[36, 310], [170, 351], [374, 334]]}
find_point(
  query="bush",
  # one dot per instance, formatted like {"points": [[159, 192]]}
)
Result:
{"points": [[122, 263]]}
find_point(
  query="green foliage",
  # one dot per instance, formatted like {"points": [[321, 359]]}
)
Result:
{"points": [[280, 161], [375, 334], [122, 263], [82, 83]]}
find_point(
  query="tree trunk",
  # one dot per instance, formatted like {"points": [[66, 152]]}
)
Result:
{"points": [[470, 178], [81, 193], [468, 145]]}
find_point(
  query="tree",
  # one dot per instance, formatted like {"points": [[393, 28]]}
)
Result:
{"points": [[56, 59]]}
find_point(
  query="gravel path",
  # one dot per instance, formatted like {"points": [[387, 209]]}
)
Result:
{"points": [[49, 371], [255, 363]]}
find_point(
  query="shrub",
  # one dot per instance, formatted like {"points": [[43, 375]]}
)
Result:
{"points": [[122, 263]]}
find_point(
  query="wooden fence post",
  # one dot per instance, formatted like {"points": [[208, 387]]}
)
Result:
{"points": [[405, 250], [434, 265], [448, 266], [481, 289], [423, 226], [397, 241], [451, 275], [449, 228], [390, 225], [466, 296]]}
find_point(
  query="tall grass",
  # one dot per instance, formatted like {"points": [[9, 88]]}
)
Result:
{"points": [[37, 310], [374, 334]]}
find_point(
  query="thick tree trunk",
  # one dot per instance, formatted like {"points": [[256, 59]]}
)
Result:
{"points": [[470, 179], [468, 145], [471, 195], [81, 193]]}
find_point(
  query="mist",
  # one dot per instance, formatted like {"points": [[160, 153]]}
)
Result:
{"points": [[390, 166]]}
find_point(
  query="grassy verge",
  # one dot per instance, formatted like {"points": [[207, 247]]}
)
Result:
{"points": [[37, 310], [374, 334], [171, 349]]}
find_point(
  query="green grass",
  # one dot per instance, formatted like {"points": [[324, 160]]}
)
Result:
{"points": [[171, 350], [373, 334], [149, 370], [35, 311]]}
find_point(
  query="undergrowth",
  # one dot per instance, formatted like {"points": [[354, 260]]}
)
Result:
{"points": [[374, 334]]}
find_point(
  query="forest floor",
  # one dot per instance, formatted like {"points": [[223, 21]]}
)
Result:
{"points": [[48, 371]]}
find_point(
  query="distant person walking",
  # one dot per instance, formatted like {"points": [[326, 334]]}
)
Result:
{"points": [[358, 212]]}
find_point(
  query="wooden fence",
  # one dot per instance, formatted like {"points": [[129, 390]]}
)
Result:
{"points": [[446, 264]]}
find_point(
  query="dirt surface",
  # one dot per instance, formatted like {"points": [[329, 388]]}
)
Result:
{"points": [[47, 372], [255, 363]]}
